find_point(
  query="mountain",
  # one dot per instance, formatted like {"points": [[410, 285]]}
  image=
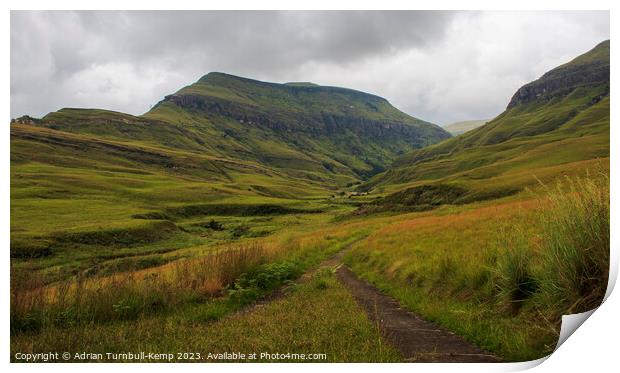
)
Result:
{"points": [[224, 139], [557, 124], [331, 134], [300, 126], [459, 128]]}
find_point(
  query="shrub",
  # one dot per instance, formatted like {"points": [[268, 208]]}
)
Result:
{"points": [[216, 226], [251, 285]]}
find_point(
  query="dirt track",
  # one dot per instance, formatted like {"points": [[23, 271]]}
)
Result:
{"points": [[417, 340]]}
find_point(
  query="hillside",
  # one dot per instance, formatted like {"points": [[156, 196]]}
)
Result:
{"points": [[459, 128], [269, 149], [327, 131], [328, 134], [558, 124], [232, 217]]}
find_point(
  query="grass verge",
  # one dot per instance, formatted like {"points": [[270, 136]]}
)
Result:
{"points": [[317, 317]]}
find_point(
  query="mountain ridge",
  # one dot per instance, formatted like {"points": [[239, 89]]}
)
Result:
{"points": [[558, 132], [329, 134], [584, 70], [353, 129]]}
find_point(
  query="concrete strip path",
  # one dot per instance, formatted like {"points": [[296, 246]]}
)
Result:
{"points": [[416, 339]]}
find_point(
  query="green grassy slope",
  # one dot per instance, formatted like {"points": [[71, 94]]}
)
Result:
{"points": [[90, 187], [556, 125], [329, 131], [75, 198]]}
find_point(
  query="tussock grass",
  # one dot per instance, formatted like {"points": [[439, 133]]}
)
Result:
{"points": [[499, 274], [565, 267], [513, 274], [126, 295], [575, 245]]}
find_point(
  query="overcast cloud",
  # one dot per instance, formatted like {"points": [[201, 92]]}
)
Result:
{"points": [[439, 66]]}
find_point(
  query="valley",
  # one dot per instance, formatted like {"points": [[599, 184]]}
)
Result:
{"points": [[224, 218]]}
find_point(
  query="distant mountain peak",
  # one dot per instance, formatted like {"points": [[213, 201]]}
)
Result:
{"points": [[458, 128]]}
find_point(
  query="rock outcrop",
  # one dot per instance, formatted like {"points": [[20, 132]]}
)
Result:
{"points": [[581, 72]]}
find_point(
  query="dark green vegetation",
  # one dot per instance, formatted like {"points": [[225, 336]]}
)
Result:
{"points": [[162, 231], [539, 134], [419, 198]]}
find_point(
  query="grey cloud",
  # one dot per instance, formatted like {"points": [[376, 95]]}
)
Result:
{"points": [[254, 40], [438, 65]]}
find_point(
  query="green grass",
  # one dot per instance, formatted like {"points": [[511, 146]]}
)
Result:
{"points": [[319, 316], [540, 138], [323, 130], [501, 275], [158, 232]]}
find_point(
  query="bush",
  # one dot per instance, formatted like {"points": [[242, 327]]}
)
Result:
{"points": [[251, 285], [216, 226]]}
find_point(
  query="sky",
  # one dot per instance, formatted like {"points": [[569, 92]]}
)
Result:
{"points": [[440, 66]]}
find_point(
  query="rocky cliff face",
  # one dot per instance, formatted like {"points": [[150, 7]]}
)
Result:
{"points": [[314, 124], [581, 72], [306, 126], [561, 83]]}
